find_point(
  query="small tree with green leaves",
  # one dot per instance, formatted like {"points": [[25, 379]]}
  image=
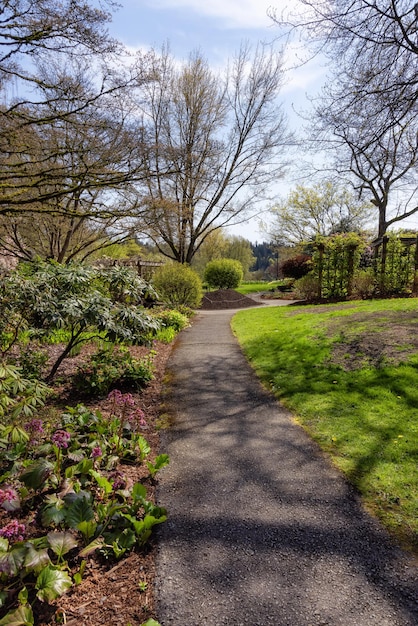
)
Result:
{"points": [[80, 300], [223, 273]]}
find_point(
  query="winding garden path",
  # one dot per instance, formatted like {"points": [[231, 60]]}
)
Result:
{"points": [[261, 530]]}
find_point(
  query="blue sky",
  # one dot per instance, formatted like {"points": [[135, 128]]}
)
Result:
{"points": [[217, 28]]}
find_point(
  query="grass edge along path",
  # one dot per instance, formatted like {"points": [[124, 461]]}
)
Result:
{"points": [[365, 419]]}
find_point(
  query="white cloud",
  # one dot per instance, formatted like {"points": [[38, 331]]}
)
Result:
{"points": [[235, 13]]}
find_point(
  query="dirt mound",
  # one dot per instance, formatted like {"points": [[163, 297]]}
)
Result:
{"points": [[226, 299]]}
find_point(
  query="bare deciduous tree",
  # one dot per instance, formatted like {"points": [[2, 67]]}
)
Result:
{"points": [[375, 40], [214, 146], [381, 165], [45, 50], [76, 149], [368, 111]]}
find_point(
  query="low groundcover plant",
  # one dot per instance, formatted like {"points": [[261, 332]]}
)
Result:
{"points": [[64, 497]]}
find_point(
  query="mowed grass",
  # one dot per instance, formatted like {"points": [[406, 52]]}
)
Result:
{"points": [[365, 419], [255, 287]]}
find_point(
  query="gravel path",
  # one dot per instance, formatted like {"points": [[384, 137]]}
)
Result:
{"points": [[261, 530]]}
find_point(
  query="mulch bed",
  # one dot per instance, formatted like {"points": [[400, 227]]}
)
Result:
{"points": [[226, 299]]}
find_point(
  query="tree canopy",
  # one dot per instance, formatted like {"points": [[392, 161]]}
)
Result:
{"points": [[325, 208]]}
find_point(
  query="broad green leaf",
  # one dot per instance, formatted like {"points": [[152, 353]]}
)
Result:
{"points": [[87, 529], [76, 456], [11, 562], [126, 539], [4, 544], [92, 547], [143, 527], [161, 461], [102, 482], [23, 596], [61, 543], [139, 492], [150, 520], [35, 559], [78, 509], [40, 542], [143, 446], [23, 616], [151, 622], [78, 576], [52, 583], [53, 514], [83, 467], [36, 474], [136, 523], [106, 511], [117, 550], [111, 461]]}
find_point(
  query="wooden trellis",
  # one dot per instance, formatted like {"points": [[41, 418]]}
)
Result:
{"points": [[407, 262]]}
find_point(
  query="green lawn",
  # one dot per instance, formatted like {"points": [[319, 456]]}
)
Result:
{"points": [[255, 287], [349, 374]]}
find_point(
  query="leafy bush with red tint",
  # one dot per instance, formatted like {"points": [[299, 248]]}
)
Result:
{"points": [[297, 266]]}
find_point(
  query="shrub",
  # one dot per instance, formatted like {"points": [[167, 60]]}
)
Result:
{"points": [[46, 297], [364, 284], [31, 361], [223, 273], [178, 285], [297, 266], [172, 319], [19, 396], [114, 367], [307, 287]]}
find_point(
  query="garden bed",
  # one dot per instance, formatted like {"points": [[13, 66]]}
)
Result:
{"points": [[111, 591]]}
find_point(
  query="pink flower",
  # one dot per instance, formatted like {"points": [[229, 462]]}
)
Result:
{"points": [[35, 426], [35, 430], [115, 395], [121, 399], [96, 452], [61, 438], [9, 499], [119, 481], [13, 530], [140, 416], [7, 495]]}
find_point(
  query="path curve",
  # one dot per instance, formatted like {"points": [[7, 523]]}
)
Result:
{"points": [[261, 530]]}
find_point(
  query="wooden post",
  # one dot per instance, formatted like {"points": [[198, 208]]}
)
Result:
{"points": [[321, 249], [415, 284], [350, 269], [385, 240]]}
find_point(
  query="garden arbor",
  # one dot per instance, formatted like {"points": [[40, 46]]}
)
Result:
{"points": [[391, 265]]}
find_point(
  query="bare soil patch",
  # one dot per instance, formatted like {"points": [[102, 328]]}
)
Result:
{"points": [[226, 299], [390, 339]]}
